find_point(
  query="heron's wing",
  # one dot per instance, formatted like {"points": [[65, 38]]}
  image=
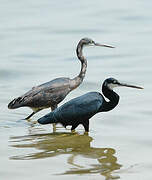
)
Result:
{"points": [[83, 107], [49, 93], [45, 95]]}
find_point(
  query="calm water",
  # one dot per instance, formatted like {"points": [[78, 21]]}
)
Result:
{"points": [[37, 43]]}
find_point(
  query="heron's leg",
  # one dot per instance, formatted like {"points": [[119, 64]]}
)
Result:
{"points": [[34, 112], [52, 109], [74, 126], [28, 117], [86, 125]]}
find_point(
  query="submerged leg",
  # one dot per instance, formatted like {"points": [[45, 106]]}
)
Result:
{"points": [[28, 117], [86, 125], [52, 109]]}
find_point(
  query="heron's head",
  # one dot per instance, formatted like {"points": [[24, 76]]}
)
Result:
{"points": [[90, 42], [112, 83]]}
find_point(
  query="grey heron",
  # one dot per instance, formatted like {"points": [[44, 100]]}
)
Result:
{"points": [[51, 93]]}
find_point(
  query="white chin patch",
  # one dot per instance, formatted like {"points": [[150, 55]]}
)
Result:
{"points": [[111, 86]]}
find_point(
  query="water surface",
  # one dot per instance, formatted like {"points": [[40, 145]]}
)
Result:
{"points": [[38, 41]]}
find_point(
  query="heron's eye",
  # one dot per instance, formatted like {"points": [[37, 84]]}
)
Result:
{"points": [[114, 82]]}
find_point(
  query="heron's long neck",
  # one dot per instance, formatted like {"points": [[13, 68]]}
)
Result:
{"points": [[113, 98], [78, 79]]}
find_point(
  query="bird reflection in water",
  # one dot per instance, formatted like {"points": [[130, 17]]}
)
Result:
{"points": [[50, 145]]}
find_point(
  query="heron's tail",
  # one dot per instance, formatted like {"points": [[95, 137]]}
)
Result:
{"points": [[15, 103], [48, 119]]}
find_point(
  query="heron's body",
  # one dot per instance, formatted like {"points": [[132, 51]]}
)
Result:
{"points": [[50, 94], [46, 95], [79, 110]]}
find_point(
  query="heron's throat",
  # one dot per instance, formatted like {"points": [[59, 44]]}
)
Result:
{"points": [[113, 98], [78, 79]]}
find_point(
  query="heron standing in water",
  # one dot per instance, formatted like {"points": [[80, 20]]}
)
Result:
{"points": [[50, 94], [79, 110]]}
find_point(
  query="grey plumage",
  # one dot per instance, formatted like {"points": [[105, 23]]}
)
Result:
{"points": [[50, 94], [43, 96]]}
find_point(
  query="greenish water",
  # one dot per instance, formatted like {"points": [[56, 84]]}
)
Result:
{"points": [[73, 145], [38, 41]]}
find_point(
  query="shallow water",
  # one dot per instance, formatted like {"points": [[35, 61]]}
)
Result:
{"points": [[38, 41]]}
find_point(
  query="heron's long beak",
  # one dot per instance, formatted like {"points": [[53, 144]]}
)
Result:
{"points": [[103, 45], [128, 85]]}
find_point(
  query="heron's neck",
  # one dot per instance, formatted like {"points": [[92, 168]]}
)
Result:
{"points": [[78, 79], [112, 96]]}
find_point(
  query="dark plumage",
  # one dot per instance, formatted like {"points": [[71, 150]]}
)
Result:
{"points": [[50, 94], [79, 110]]}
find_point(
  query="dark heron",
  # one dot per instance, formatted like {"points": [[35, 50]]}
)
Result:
{"points": [[50, 94], [79, 110]]}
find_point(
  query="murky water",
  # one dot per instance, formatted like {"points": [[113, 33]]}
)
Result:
{"points": [[37, 43]]}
